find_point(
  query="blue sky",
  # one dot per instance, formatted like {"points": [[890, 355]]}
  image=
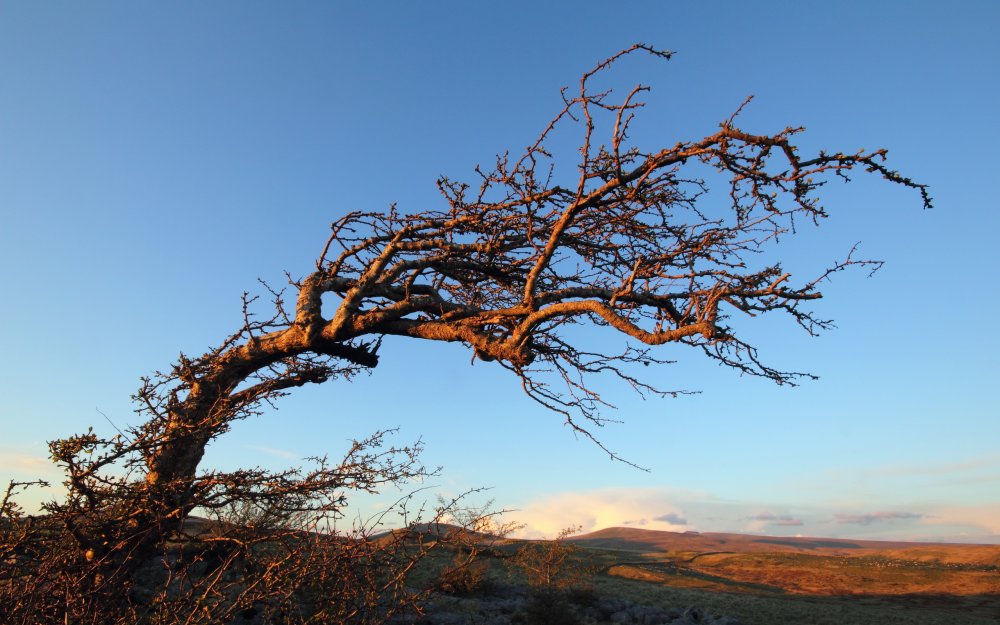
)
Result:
{"points": [[157, 158]]}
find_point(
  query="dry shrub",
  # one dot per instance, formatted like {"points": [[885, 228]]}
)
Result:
{"points": [[465, 576], [557, 578], [266, 552]]}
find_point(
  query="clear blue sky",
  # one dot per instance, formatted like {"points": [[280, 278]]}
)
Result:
{"points": [[157, 158]]}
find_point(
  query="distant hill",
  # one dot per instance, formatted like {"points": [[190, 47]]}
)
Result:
{"points": [[762, 579], [658, 541]]}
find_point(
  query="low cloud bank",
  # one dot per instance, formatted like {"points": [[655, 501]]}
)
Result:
{"points": [[875, 517], [678, 510], [783, 520], [652, 509], [673, 519]]}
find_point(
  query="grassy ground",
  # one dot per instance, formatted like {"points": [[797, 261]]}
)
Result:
{"points": [[766, 609], [721, 585], [759, 580], [768, 588]]}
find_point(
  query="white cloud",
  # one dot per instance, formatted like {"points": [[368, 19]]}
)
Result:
{"points": [[278, 453], [25, 465], [972, 465], [876, 517], [28, 466], [769, 518], [678, 510], [653, 509], [982, 519], [671, 518]]}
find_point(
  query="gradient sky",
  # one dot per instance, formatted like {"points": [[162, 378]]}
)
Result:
{"points": [[157, 158]]}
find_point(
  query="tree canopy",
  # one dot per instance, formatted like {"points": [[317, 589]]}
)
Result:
{"points": [[631, 242], [523, 252]]}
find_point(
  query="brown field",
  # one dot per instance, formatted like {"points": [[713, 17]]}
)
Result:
{"points": [[764, 580]]}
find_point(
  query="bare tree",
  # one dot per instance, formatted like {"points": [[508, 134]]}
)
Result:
{"points": [[554, 573], [515, 259], [548, 565], [632, 241], [266, 554]]}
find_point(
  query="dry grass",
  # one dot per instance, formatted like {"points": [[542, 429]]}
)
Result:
{"points": [[764, 581], [862, 575], [768, 609]]}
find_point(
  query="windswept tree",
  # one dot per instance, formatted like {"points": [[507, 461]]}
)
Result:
{"points": [[629, 241]]}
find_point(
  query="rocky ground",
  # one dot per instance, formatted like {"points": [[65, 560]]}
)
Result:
{"points": [[519, 606]]}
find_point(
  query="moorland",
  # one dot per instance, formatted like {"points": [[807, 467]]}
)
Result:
{"points": [[764, 580]]}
